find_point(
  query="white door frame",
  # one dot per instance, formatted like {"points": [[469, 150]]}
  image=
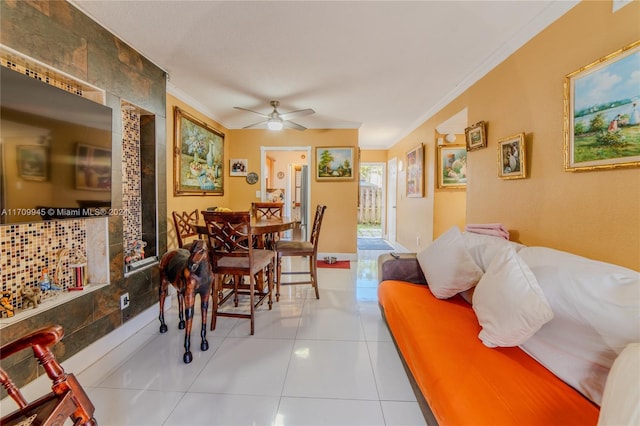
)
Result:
{"points": [[392, 194], [263, 172]]}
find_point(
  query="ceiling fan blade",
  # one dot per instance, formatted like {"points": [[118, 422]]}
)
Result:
{"points": [[295, 114], [255, 112], [261, 123], [292, 125]]}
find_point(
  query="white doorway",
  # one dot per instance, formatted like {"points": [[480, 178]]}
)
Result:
{"points": [[285, 177], [392, 186]]}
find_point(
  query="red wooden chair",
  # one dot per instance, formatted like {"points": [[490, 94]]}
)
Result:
{"points": [[67, 399]]}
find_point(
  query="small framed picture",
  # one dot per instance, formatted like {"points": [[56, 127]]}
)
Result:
{"points": [[33, 162], [238, 167], [512, 162], [476, 136], [415, 172]]}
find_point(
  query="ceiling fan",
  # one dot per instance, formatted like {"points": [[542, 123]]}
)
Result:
{"points": [[276, 120]]}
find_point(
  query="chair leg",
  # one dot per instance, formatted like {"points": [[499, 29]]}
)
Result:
{"points": [[214, 296], [279, 278], [252, 296], [314, 275], [270, 273]]}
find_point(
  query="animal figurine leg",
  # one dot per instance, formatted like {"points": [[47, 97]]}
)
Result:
{"points": [[189, 301], [180, 309], [162, 294], [204, 307]]}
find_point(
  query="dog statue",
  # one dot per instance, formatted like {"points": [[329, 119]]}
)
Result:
{"points": [[30, 296], [189, 271]]}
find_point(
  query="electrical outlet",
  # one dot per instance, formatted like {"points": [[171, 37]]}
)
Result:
{"points": [[124, 301]]}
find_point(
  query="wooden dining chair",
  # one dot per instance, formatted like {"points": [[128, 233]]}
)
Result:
{"points": [[182, 222], [308, 249], [67, 400], [267, 210], [233, 256]]}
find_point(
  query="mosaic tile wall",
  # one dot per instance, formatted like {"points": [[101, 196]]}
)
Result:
{"points": [[131, 179], [26, 250]]}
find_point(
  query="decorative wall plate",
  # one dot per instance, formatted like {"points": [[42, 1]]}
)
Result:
{"points": [[280, 175], [252, 177]]}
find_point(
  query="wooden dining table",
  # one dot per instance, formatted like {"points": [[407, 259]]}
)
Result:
{"points": [[260, 227]]}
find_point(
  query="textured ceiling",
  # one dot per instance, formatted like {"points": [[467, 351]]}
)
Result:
{"points": [[382, 67]]}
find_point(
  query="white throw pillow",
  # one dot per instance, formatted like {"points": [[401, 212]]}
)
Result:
{"points": [[447, 265], [508, 301], [620, 404], [483, 248], [596, 308]]}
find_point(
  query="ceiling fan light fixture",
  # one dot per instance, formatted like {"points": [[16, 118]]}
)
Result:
{"points": [[275, 124]]}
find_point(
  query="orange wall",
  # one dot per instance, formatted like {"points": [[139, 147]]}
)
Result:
{"points": [[449, 204], [594, 214], [190, 203], [338, 234]]}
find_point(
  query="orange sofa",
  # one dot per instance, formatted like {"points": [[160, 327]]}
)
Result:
{"points": [[457, 379]]}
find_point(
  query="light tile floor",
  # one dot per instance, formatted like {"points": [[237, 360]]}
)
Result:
{"points": [[311, 362]]}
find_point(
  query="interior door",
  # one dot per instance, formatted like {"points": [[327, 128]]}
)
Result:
{"points": [[392, 186]]}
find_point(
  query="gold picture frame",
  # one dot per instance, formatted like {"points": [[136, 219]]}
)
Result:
{"points": [[334, 163], [415, 172], [601, 127], [512, 158], [476, 136], [198, 156], [452, 167]]}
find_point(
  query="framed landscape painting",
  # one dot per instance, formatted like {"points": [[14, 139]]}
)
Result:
{"points": [[33, 162], [452, 167], [198, 157], [602, 113], [476, 136], [334, 163]]}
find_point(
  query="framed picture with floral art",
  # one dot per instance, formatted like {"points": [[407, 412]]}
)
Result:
{"points": [[198, 156], [415, 172], [452, 167]]}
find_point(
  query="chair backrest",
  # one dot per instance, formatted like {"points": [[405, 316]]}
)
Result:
{"points": [[266, 210], [317, 222], [182, 221], [229, 234]]}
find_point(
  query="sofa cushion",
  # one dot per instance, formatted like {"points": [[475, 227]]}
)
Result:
{"points": [[508, 301], [596, 308], [483, 248], [447, 265], [621, 391], [463, 381]]}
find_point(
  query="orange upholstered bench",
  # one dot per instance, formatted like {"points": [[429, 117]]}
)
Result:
{"points": [[464, 382]]}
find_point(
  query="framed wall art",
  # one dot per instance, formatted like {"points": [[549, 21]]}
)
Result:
{"points": [[93, 168], [452, 167], [512, 161], [33, 162], [602, 113], [415, 172], [238, 167], [476, 136], [334, 163], [198, 157]]}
